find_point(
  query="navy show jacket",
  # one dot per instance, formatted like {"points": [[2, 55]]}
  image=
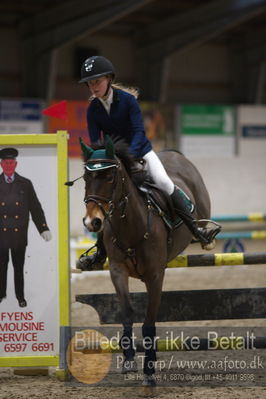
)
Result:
{"points": [[18, 200], [125, 120]]}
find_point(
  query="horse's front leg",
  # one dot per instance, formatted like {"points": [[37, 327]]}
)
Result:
{"points": [[154, 289], [119, 276]]}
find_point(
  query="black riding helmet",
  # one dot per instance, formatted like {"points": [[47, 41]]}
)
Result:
{"points": [[95, 67]]}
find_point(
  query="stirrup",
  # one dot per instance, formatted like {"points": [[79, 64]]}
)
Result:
{"points": [[207, 234], [204, 222], [90, 262]]}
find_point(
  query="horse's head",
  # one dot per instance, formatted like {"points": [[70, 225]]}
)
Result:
{"points": [[101, 167]]}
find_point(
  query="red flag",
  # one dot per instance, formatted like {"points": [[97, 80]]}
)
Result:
{"points": [[58, 110]]}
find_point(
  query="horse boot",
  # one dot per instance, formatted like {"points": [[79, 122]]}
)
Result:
{"points": [[202, 234], [94, 261]]}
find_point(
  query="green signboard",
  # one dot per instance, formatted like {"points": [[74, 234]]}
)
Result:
{"points": [[207, 119]]}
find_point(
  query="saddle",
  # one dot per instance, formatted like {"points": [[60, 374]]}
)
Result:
{"points": [[160, 201], [163, 204]]}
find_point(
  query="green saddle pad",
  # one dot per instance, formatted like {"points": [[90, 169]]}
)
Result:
{"points": [[166, 214]]}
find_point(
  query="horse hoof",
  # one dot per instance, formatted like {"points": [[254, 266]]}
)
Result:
{"points": [[129, 366], [210, 246], [149, 386], [81, 264], [85, 264], [149, 381]]}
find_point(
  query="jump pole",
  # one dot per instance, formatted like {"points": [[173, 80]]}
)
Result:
{"points": [[219, 259], [250, 217], [243, 235]]}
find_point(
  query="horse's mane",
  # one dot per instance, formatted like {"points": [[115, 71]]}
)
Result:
{"points": [[121, 151]]}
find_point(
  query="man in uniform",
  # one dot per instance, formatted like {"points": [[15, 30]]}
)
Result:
{"points": [[18, 200]]}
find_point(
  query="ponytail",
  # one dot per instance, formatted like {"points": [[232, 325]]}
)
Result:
{"points": [[131, 90]]}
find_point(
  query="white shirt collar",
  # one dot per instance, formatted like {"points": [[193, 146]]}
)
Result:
{"points": [[108, 101]]}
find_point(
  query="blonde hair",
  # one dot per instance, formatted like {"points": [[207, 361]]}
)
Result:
{"points": [[131, 90], [128, 89]]}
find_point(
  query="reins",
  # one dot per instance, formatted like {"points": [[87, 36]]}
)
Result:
{"points": [[131, 251]]}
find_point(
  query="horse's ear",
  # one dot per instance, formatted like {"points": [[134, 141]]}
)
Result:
{"points": [[87, 151], [109, 147]]}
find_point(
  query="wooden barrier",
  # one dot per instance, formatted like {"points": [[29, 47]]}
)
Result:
{"points": [[216, 304]]}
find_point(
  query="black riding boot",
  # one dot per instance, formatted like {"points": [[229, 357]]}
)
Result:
{"points": [[96, 260], [205, 236]]}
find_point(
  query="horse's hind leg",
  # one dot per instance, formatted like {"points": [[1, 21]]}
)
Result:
{"points": [[154, 288], [119, 276]]}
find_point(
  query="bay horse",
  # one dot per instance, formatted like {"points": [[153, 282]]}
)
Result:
{"points": [[137, 241]]}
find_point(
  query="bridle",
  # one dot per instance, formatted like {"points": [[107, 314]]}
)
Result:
{"points": [[118, 201], [98, 199]]}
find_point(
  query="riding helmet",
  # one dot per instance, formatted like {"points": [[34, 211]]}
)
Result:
{"points": [[95, 67]]}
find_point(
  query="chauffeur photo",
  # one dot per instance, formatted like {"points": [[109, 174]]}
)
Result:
{"points": [[18, 201]]}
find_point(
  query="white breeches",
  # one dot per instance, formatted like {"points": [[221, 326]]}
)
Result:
{"points": [[156, 170]]}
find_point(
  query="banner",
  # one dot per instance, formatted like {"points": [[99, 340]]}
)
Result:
{"points": [[34, 276], [21, 116], [75, 124], [207, 130], [254, 132]]}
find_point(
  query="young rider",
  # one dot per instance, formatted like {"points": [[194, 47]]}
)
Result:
{"points": [[114, 110]]}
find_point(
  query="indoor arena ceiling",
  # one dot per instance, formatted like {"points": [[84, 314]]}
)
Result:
{"points": [[158, 28], [150, 12]]}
